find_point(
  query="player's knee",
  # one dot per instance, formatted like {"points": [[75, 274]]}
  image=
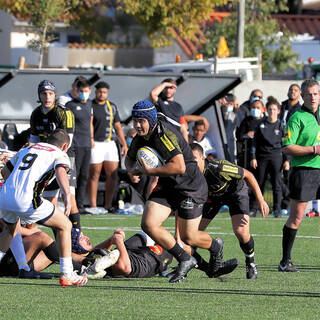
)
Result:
{"points": [[94, 175]]}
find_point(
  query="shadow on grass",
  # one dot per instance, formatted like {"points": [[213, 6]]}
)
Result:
{"points": [[175, 289]]}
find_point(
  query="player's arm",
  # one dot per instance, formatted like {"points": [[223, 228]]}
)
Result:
{"points": [[296, 150], [123, 266], [252, 182], [7, 169], [193, 118], [175, 166], [155, 92], [63, 181], [119, 131], [92, 131]]}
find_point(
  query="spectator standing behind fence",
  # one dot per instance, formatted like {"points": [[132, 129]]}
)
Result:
{"points": [[70, 95], [199, 136], [245, 132], [106, 123], [302, 143], [246, 106], [266, 153], [230, 113], [168, 109], [82, 110]]}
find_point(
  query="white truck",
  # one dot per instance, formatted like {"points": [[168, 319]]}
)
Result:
{"points": [[248, 68]]}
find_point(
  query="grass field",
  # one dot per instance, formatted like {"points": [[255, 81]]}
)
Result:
{"points": [[273, 295]]}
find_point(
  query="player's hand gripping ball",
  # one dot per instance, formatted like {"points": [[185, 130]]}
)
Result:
{"points": [[150, 156]]}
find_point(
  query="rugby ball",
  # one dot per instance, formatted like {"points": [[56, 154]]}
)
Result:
{"points": [[150, 156]]}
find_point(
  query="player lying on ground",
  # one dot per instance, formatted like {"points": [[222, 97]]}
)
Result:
{"points": [[137, 257]]}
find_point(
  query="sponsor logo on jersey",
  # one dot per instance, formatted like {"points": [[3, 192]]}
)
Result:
{"points": [[156, 249], [42, 147], [166, 141], [229, 168], [288, 135]]}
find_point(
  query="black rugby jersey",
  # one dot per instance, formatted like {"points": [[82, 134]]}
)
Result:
{"points": [[168, 141], [169, 110], [43, 124], [222, 177], [82, 114], [267, 141], [104, 117]]}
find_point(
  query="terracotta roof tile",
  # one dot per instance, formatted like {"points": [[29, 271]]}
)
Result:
{"points": [[296, 23], [300, 23]]}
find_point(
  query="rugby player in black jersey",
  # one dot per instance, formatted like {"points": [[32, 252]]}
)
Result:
{"points": [[227, 186], [43, 121], [181, 187]]}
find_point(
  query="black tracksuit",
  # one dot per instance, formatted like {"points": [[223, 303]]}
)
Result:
{"points": [[267, 150]]}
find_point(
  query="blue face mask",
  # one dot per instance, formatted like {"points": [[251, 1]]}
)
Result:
{"points": [[128, 140], [229, 109], [84, 96], [256, 113]]}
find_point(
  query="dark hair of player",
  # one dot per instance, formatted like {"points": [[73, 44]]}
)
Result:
{"points": [[58, 138]]}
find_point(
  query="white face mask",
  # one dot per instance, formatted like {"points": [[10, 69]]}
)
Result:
{"points": [[256, 113], [229, 109], [84, 96]]}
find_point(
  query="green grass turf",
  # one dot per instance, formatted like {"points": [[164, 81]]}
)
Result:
{"points": [[273, 295]]}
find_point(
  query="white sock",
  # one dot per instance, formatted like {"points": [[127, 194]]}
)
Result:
{"points": [[18, 252], [66, 265], [2, 254]]}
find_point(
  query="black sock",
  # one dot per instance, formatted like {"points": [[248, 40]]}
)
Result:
{"points": [[248, 250], [202, 264], [288, 238], [75, 219], [51, 252], [179, 253], [215, 246]]}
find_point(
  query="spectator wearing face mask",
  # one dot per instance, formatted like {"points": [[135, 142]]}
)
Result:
{"points": [[245, 133], [245, 106], [230, 113], [266, 153], [82, 110]]}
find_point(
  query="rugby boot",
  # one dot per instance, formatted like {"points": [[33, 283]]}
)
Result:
{"points": [[182, 269], [287, 267], [72, 279], [227, 267], [216, 259], [32, 274], [251, 270]]}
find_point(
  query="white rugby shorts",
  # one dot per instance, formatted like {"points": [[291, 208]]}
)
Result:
{"points": [[104, 151], [44, 211]]}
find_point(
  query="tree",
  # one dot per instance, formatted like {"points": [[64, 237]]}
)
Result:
{"points": [[158, 17], [41, 14], [262, 34]]}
